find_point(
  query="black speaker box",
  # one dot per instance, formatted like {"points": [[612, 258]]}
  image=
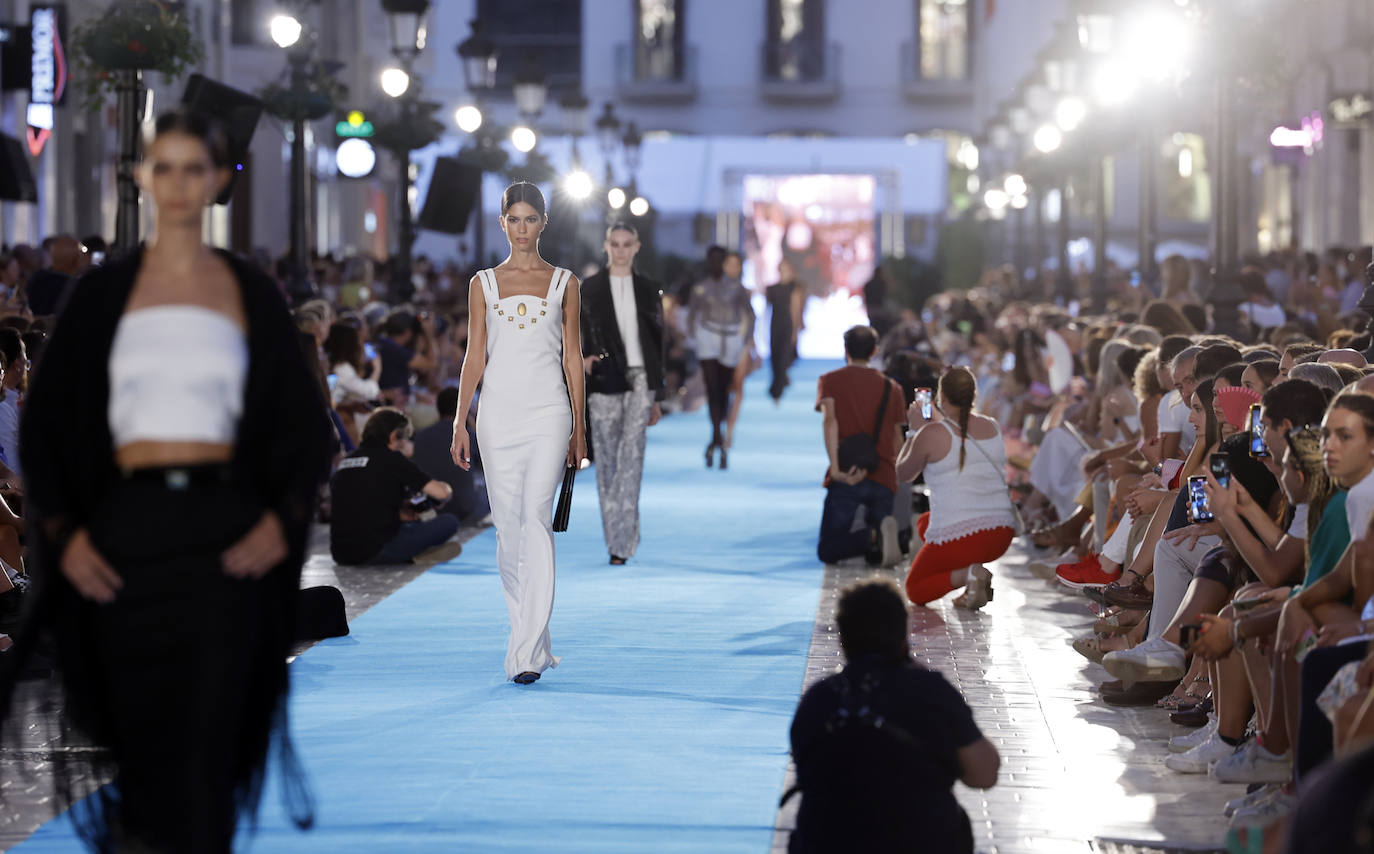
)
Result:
{"points": [[451, 197], [16, 178], [237, 112]]}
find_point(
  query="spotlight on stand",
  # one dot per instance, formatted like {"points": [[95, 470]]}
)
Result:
{"points": [[285, 30], [523, 138]]}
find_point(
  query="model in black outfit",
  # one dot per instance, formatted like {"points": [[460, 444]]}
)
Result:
{"points": [[168, 570], [785, 300]]}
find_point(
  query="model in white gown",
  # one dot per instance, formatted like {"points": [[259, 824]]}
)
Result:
{"points": [[524, 421]]}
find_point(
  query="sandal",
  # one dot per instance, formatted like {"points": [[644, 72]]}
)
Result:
{"points": [[1120, 621]]}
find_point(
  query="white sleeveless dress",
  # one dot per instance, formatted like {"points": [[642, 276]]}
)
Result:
{"points": [[524, 422]]}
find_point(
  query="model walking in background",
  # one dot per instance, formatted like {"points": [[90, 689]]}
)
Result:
{"points": [[786, 300], [721, 323], [622, 321], [524, 346]]}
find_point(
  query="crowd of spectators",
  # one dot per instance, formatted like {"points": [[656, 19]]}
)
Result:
{"points": [[1203, 479]]}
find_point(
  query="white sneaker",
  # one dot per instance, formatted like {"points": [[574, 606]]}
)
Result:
{"points": [[1200, 758], [1155, 660], [1263, 793], [1253, 764], [1266, 812], [892, 552], [1187, 741]]}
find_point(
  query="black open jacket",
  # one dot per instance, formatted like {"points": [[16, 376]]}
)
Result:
{"points": [[282, 448], [601, 334]]}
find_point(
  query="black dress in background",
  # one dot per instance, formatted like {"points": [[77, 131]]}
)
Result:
{"points": [[783, 350]]}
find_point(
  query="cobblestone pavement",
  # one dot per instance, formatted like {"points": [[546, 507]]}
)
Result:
{"points": [[1077, 775], [25, 775]]}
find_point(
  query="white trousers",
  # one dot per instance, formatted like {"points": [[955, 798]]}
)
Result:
{"points": [[1056, 470]]}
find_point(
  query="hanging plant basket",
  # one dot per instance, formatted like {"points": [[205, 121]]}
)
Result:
{"points": [[407, 133], [132, 35], [536, 169], [320, 94]]}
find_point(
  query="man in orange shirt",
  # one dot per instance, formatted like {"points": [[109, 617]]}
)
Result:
{"points": [[858, 401]]}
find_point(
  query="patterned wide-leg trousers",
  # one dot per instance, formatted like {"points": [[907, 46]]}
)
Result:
{"points": [[619, 424]]}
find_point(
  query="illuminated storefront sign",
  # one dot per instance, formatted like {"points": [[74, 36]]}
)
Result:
{"points": [[49, 65]]}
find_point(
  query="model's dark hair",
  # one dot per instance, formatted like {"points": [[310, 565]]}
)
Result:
{"points": [[343, 344], [860, 342], [872, 619], [194, 124], [447, 403], [622, 225], [383, 421], [523, 191], [960, 388]]}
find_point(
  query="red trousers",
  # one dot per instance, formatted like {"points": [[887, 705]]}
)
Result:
{"points": [[928, 579]]}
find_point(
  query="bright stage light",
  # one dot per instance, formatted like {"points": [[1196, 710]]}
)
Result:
{"points": [[1070, 113], [639, 206], [468, 117], [1048, 138], [285, 29], [523, 139], [995, 199], [1015, 185], [578, 184], [615, 197], [1115, 82], [395, 82]]}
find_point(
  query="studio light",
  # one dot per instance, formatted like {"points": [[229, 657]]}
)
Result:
{"points": [[1114, 83], [995, 199], [615, 197], [1015, 185], [523, 138], [639, 206], [1048, 138], [578, 185], [285, 29], [395, 82], [468, 117]]}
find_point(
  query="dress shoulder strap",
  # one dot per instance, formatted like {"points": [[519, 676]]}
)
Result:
{"points": [[489, 289], [558, 283]]}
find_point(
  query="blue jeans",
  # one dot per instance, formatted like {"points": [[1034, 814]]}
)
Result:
{"points": [[838, 539], [415, 537]]}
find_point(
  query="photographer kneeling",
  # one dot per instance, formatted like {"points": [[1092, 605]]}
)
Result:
{"points": [[374, 518]]}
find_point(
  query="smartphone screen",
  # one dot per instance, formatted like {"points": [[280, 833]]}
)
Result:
{"points": [[369, 351], [1197, 500], [1221, 468], [1009, 363], [923, 397], [1258, 449]]}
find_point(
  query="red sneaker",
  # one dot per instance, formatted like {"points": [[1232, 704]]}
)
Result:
{"points": [[1085, 573]]}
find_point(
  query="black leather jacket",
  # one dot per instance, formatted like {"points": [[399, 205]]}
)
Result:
{"points": [[601, 335]]}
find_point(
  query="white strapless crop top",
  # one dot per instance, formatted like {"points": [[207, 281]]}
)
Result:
{"points": [[177, 374]]}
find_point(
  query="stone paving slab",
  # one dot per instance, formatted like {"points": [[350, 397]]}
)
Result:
{"points": [[1077, 775]]}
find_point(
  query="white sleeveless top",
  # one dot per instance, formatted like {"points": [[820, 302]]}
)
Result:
{"points": [[524, 380], [177, 374], [975, 499]]}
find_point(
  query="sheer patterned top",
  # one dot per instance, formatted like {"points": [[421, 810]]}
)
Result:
{"points": [[177, 374], [975, 499]]}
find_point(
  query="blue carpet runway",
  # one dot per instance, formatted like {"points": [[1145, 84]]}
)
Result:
{"points": [[665, 727]]}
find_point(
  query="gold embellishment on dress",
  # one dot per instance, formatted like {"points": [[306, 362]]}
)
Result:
{"points": [[534, 320], [520, 309], [522, 326], [500, 312], [542, 313], [543, 302], [511, 319]]}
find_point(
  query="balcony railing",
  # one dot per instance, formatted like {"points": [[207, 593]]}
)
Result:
{"points": [[800, 71], [917, 86], [649, 73]]}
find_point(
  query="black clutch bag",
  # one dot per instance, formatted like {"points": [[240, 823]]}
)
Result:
{"points": [[560, 513]]}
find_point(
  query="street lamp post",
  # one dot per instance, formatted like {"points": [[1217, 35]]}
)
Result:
{"points": [[478, 55], [130, 100], [407, 24], [288, 33]]}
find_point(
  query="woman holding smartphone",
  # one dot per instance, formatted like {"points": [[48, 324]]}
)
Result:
{"points": [[970, 522]]}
